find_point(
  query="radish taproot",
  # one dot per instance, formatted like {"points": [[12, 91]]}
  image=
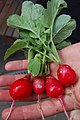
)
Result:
{"points": [[19, 90], [66, 75], [38, 88], [54, 89]]}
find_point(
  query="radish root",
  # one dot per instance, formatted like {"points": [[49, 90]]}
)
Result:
{"points": [[11, 108], [39, 106], [64, 108]]}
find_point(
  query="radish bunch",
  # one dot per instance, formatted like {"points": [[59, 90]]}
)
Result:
{"points": [[55, 88], [42, 33]]}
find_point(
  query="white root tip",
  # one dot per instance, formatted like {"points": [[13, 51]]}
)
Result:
{"points": [[11, 108]]}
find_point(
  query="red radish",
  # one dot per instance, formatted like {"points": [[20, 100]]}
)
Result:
{"points": [[54, 89], [38, 87], [19, 90], [66, 75]]}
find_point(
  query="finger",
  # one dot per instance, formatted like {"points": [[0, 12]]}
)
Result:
{"points": [[5, 96], [17, 65], [49, 107], [6, 80], [77, 91]]}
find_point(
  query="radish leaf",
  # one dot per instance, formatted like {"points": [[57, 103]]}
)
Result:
{"points": [[42, 32], [53, 9], [63, 28], [18, 44], [63, 44], [34, 66]]}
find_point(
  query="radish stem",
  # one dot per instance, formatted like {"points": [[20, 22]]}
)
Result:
{"points": [[40, 107], [63, 105], [11, 108]]}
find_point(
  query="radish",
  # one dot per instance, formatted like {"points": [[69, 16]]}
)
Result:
{"points": [[54, 89], [19, 90], [38, 87], [66, 75]]}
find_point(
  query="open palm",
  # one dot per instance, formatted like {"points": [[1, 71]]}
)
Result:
{"points": [[69, 55]]}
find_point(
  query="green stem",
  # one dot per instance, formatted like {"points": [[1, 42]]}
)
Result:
{"points": [[42, 42], [45, 55], [39, 38], [43, 63], [53, 48], [40, 52]]}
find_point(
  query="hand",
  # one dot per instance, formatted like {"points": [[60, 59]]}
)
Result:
{"points": [[69, 55]]}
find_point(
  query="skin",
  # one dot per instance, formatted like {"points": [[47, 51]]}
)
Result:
{"points": [[69, 55]]}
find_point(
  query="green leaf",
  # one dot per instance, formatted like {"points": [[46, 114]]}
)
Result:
{"points": [[20, 22], [53, 9], [50, 14], [63, 44], [32, 35], [16, 21], [31, 11], [30, 54], [33, 14], [60, 22], [27, 36], [17, 45], [24, 34], [63, 28], [34, 66], [31, 18], [36, 25]]}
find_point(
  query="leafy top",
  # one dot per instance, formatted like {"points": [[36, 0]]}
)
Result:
{"points": [[42, 32]]}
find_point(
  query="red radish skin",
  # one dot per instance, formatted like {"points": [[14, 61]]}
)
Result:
{"points": [[49, 79], [27, 77], [38, 88], [19, 90], [38, 85], [66, 75], [54, 89]]}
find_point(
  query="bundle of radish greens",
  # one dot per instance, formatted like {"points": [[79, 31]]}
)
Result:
{"points": [[42, 31]]}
